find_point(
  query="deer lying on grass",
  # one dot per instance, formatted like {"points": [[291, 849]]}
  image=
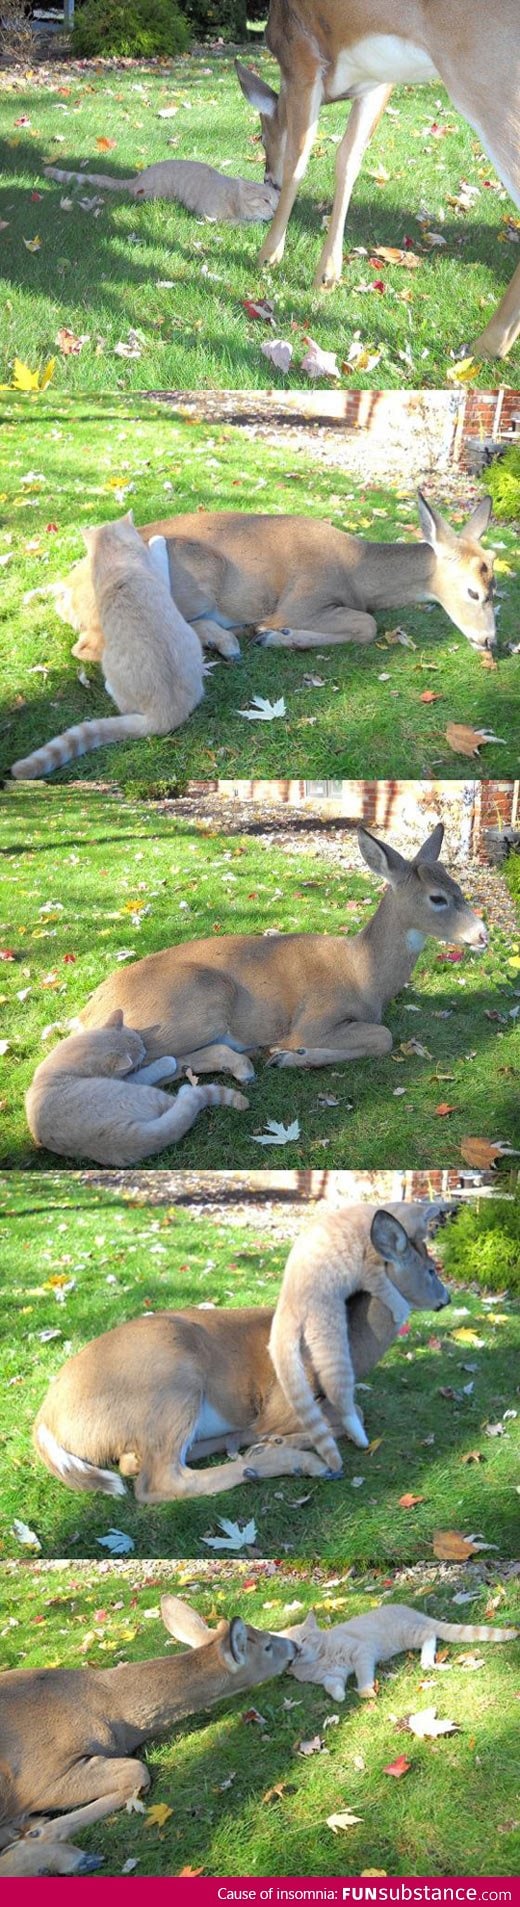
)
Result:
{"points": [[301, 583], [69, 1736], [308, 999], [174, 1384], [359, 49]]}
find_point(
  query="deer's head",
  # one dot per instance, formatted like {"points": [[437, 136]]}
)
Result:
{"points": [[273, 126], [462, 578], [410, 1266], [250, 1655], [429, 901]]}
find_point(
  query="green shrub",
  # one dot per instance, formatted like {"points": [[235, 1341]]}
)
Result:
{"points": [[482, 1245], [130, 29], [502, 483], [216, 19], [512, 874]]}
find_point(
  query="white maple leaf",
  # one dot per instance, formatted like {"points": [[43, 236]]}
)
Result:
{"points": [[234, 1537], [278, 352], [116, 1542], [262, 710], [319, 363], [25, 1536], [339, 1822], [277, 1134], [426, 1726]]}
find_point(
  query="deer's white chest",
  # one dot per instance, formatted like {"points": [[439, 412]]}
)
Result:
{"points": [[210, 1423], [415, 941], [379, 59]]}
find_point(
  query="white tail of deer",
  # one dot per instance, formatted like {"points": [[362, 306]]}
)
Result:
{"points": [[280, 575], [305, 999], [50, 1719], [359, 49], [216, 1381]]}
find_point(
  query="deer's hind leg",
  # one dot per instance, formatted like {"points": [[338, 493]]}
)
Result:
{"points": [[326, 1337], [355, 1039], [99, 1786], [322, 629], [218, 1058]]}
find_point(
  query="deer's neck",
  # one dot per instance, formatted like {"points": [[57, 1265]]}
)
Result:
{"points": [[390, 575], [152, 1696], [386, 951]]}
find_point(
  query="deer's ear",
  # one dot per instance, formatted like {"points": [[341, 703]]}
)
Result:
{"points": [[436, 531], [480, 519], [233, 1643], [256, 89], [383, 860], [183, 1622], [431, 848], [388, 1236], [116, 1018], [89, 537]]}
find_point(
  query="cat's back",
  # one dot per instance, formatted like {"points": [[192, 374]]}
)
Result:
{"points": [[328, 1255]]}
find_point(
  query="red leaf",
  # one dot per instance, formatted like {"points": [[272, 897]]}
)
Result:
{"points": [[403, 1331], [6, 953], [441, 1112], [69, 960], [259, 308], [398, 1768], [407, 1502], [52, 529], [106, 145], [379, 284], [430, 695]]}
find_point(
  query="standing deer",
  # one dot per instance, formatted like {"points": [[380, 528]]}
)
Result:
{"points": [[300, 582], [358, 50], [174, 1384], [309, 999], [69, 1736]]}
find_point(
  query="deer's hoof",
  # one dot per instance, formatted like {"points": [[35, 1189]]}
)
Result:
{"points": [[332, 1476], [90, 1863], [252, 1475]]}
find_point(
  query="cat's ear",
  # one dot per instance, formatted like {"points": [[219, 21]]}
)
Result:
{"points": [[128, 518], [309, 1623], [116, 1018]]}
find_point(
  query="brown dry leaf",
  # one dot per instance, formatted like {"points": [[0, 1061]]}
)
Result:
{"points": [[473, 1456], [480, 1152], [442, 1111], [430, 695], [465, 740], [280, 1788], [407, 1502], [188, 1873], [395, 255], [69, 344], [450, 1547], [106, 145]]}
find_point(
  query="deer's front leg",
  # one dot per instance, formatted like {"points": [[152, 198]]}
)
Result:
{"points": [[302, 109], [503, 328], [356, 1039], [364, 118], [336, 627]]}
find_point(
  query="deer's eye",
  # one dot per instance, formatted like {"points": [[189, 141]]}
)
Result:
{"points": [[439, 900], [474, 595]]}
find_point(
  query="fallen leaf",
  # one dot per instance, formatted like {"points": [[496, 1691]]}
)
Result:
{"points": [[69, 344], [116, 1542], [450, 1547], [465, 740], [156, 1816], [311, 1747], [464, 1336], [319, 363], [234, 1537], [430, 695], [185, 1873], [424, 1724], [398, 1768], [261, 308], [396, 255], [340, 1822], [32, 244], [279, 353], [262, 710], [253, 1715], [26, 380], [277, 1793], [408, 1501], [105, 145], [441, 1111], [473, 1456], [480, 1152], [25, 1536], [277, 1134]]}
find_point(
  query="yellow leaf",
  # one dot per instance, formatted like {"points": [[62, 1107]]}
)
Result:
{"points": [[23, 378], [374, 1445], [157, 1815], [47, 373], [465, 1336], [463, 372], [514, 962], [504, 569], [32, 244]]}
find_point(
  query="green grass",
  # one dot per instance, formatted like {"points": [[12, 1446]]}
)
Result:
{"points": [[61, 462], [102, 275], [125, 1256], [454, 1813], [94, 876]]}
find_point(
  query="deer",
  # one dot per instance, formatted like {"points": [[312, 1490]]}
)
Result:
{"points": [[69, 1736], [307, 999], [300, 582], [358, 50], [157, 1394]]}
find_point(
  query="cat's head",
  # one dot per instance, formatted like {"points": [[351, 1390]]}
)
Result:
{"points": [[110, 1051], [75, 604], [110, 540], [303, 1633]]}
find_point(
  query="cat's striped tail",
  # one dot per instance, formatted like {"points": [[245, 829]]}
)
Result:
{"points": [[89, 178], [290, 1370], [473, 1632], [78, 741]]}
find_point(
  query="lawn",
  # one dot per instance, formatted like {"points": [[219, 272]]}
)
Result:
{"points": [[243, 1799], [428, 1402], [119, 268], [90, 878], [65, 463]]}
